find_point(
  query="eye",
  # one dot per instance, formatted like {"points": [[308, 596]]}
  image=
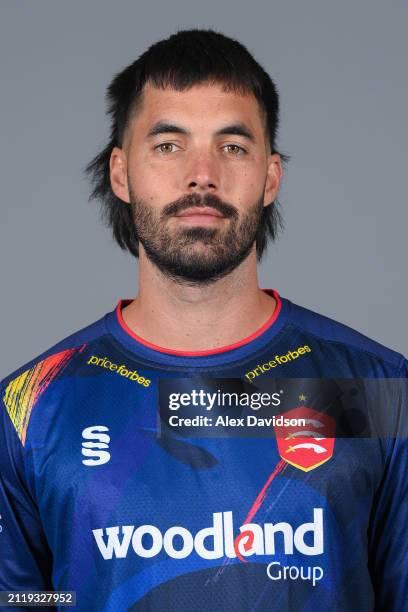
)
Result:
{"points": [[235, 149], [161, 149]]}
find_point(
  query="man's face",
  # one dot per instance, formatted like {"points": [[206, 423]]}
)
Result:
{"points": [[197, 171]]}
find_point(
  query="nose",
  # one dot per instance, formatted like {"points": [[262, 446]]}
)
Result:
{"points": [[202, 173]]}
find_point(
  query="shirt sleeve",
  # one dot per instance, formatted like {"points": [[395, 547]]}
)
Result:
{"points": [[388, 533], [25, 557]]}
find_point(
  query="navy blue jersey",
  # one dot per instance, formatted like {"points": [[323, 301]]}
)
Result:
{"points": [[99, 496]]}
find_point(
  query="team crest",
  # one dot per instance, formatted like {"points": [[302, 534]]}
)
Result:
{"points": [[306, 446]]}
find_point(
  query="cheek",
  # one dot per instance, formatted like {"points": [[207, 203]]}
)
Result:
{"points": [[251, 171], [149, 181], [248, 182]]}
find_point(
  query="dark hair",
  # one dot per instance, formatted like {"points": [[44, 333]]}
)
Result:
{"points": [[186, 58]]}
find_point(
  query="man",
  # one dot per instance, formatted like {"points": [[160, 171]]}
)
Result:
{"points": [[127, 475]]}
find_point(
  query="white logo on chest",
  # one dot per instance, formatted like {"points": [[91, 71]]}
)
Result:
{"points": [[97, 448]]}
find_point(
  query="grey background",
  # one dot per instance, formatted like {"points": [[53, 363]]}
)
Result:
{"points": [[342, 75]]}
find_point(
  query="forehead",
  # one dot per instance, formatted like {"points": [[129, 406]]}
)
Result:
{"points": [[206, 104]]}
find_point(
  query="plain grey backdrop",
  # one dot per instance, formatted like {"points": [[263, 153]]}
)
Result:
{"points": [[341, 70]]}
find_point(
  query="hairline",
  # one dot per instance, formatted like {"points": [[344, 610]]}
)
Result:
{"points": [[138, 101]]}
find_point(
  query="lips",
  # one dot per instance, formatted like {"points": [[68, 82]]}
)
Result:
{"points": [[204, 211]]}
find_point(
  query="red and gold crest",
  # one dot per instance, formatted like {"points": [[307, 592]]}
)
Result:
{"points": [[309, 444]]}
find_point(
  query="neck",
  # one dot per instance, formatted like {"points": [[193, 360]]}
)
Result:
{"points": [[193, 318]]}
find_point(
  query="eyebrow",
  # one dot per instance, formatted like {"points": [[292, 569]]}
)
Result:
{"points": [[235, 129]]}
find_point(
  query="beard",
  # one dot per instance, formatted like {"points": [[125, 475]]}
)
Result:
{"points": [[196, 255]]}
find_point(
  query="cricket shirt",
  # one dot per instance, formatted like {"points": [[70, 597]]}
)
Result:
{"points": [[268, 475]]}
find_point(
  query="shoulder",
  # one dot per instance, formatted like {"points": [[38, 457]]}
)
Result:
{"points": [[39, 371], [345, 341]]}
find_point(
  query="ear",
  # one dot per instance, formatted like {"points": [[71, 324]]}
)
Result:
{"points": [[273, 178], [118, 174]]}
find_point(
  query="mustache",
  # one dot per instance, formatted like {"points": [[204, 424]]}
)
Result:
{"points": [[195, 200]]}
